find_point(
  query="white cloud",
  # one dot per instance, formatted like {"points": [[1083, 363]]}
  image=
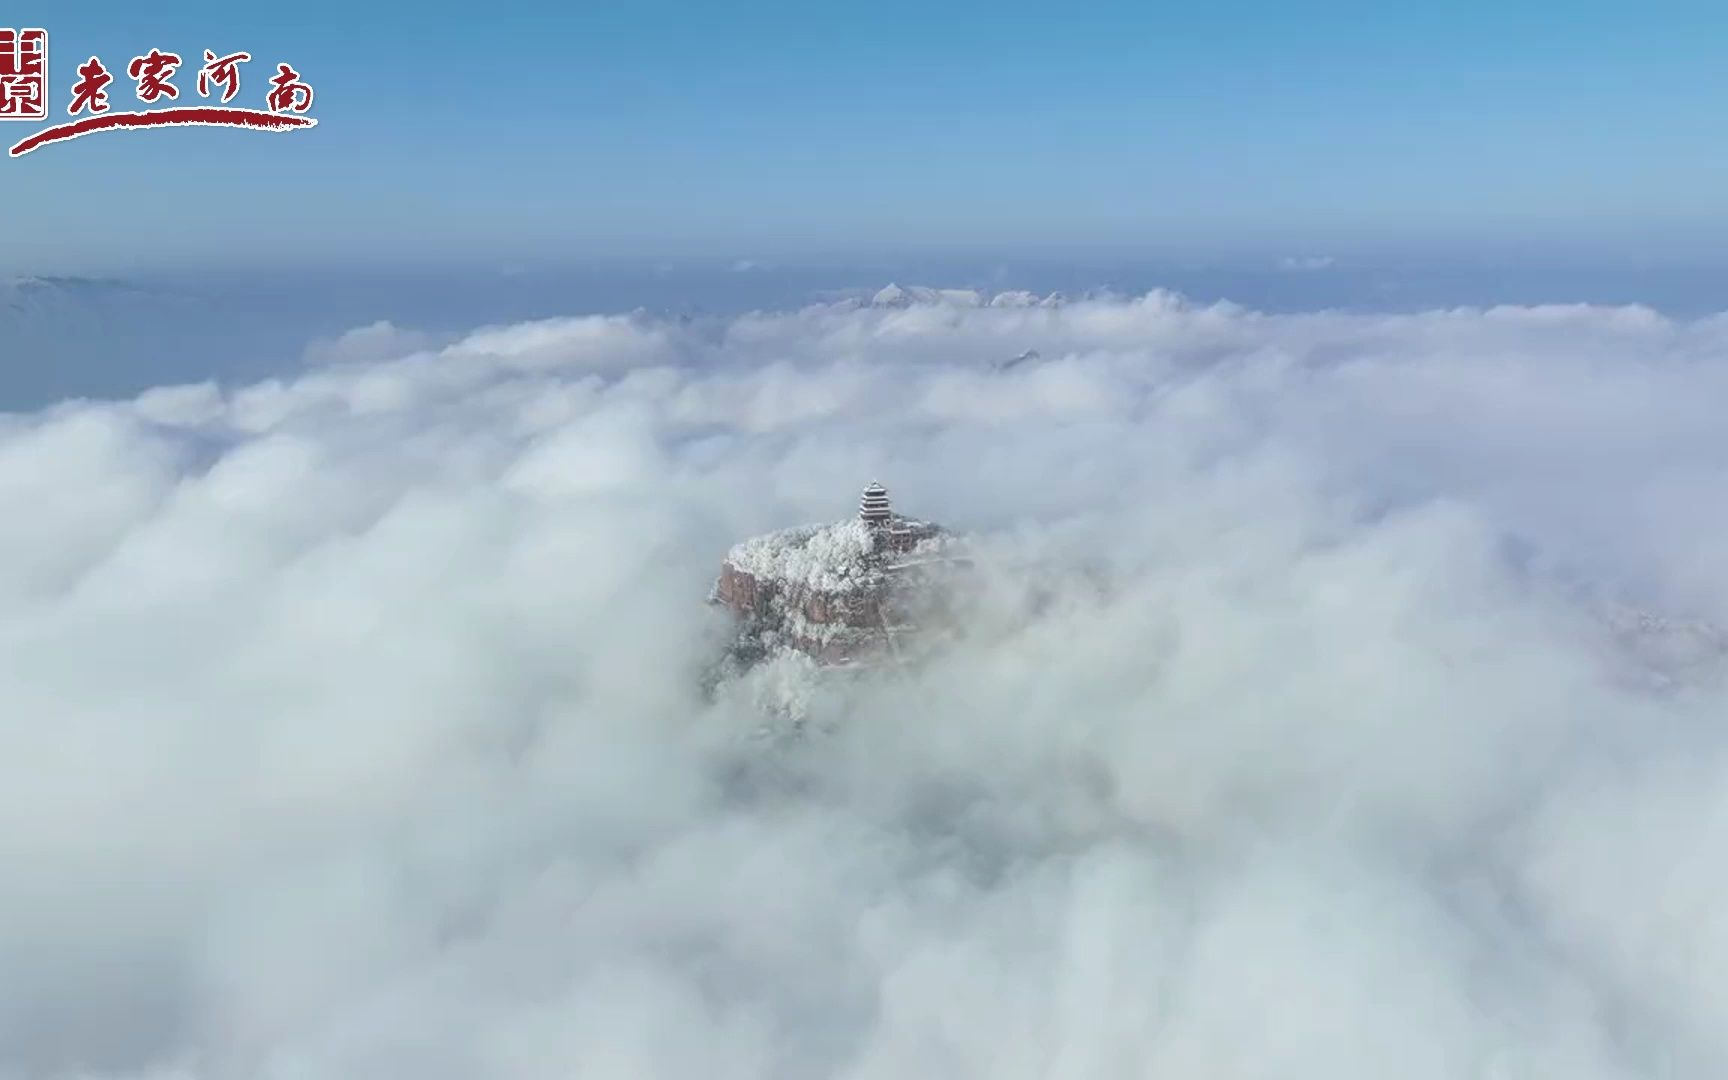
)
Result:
{"points": [[352, 722], [606, 342], [381, 340]]}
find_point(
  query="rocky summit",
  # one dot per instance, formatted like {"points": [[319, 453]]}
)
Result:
{"points": [[861, 592]]}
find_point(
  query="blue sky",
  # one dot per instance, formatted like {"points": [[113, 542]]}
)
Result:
{"points": [[542, 132]]}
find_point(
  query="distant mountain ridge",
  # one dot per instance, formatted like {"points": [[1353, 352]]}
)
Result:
{"points": [[906, 296], [22, 291]]}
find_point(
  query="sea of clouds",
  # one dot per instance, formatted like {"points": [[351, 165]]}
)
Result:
{"points": [[352, 723]]}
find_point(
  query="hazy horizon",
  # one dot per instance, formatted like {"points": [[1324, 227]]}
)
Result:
{"points": [[115, 335]]}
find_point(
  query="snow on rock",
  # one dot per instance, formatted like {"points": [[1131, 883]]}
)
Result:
{"points": [[892, 296], [923, 296], [820, 558], [842, 594]]}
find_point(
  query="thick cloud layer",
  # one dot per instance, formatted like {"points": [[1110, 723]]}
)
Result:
{"points": [[351, 724]]}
